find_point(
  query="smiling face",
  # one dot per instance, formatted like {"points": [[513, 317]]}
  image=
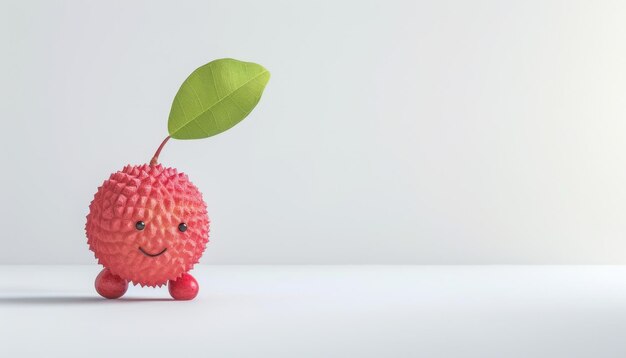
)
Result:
{"points": [[148, 224]]}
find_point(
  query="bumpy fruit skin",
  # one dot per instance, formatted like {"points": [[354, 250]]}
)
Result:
{"points": [[162, 199]]}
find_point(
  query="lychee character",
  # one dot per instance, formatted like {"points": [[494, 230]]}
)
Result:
{"points": [[148, 224]]}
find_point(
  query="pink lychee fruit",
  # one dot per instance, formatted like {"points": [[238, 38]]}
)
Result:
{"points": [[147, 224]]}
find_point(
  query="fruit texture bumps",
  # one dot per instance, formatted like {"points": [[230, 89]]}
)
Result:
{"points": [[148, 224]]}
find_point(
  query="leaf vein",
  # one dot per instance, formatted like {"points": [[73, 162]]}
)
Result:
{"points": [[181, 108], [197, 97], [213, 81]]}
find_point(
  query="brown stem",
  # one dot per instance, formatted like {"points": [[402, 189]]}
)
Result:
{"points": [[155, 159]]}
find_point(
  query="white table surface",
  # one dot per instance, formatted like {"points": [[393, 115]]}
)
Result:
{"points": [[322, 311]]}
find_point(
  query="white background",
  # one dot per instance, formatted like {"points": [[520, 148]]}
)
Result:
{"points": [[442, 132]]}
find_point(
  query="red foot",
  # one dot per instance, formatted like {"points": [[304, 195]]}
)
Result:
{"points": [[184, 288], [109, 285]]}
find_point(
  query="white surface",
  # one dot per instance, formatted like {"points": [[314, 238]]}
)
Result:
{"points": [[322, 311], [391, 131]]}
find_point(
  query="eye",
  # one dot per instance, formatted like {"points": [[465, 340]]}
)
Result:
{"points": [[182, 227], [140, 225]]}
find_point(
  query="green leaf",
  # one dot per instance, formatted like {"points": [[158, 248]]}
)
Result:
{"points": [[215, 97]]}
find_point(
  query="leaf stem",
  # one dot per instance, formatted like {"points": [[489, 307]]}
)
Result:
{"points": [[155, 159]]}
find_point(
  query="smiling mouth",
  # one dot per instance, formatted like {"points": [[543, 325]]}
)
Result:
{"points": [[151, 255]]}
